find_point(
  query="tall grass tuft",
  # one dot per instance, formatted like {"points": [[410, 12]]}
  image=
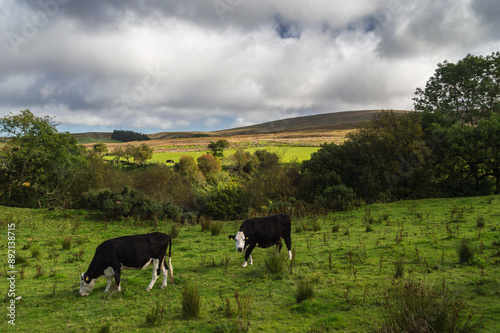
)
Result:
{"points": [[191, 302], [465, 250], [399, 269], [155, 317], [66, 243], [175, 230], [215, 228], [409, 306], [275, 263], [304, 291]]}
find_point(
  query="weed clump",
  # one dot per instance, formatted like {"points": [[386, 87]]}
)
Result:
{"points": [[155, 317], [215, 228], [465, 250], [409, 306], [304, 291], [191, 302], [275, 263], [399, 269], [174, 231], [66, 243]]}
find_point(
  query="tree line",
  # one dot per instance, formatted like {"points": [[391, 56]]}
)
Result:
{"points": [[449, 146], [127, 136]]}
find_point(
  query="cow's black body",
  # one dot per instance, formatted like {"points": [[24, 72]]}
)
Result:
{"points": [[265, 232], [132, 252]]}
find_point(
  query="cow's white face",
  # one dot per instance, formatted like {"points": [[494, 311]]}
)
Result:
{"points": [[86, 285], [239, 241]]}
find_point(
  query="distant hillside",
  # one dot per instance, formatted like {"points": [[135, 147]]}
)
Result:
{"points": [[315, 123], [320, 123]]}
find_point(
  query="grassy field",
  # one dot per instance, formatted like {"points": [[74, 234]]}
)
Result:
{"points": [[286, 153], [348, 258]]}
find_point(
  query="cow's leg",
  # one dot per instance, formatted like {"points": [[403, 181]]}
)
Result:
{"points": [[117, 274], [167, 271], [279, 245], [248, 254], [155, 274], [164, 272], [108, 273], [288, 243]]}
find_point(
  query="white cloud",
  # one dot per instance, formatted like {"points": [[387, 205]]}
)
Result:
{"points": [[183, 65]]}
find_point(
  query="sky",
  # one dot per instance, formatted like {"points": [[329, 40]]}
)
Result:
{"points": [[204, 65]]}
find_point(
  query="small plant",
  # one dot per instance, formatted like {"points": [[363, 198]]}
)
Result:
{"points": [[155, 317], [191, 302], [35, 253], [465, 250], [174, 231], [335, 228], [316, 226], [304, 291], [205, 223], [409, 306], [480, 222], [39, 271], [105, 329], [369, 228], [399, 269], [275, 263], [215, 228], [66, 243]]}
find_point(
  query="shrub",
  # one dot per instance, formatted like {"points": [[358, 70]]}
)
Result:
{"points": [[191, 302], [155, 317], [205, 223], [226, 201], [465, 250], [304, 291], [409, 306], [480, 222]]}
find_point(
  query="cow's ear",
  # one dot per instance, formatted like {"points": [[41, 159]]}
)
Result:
{"points": [[230, 237]]}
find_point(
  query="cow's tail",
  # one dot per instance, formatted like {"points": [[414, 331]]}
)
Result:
{"points": [[170, 268]]}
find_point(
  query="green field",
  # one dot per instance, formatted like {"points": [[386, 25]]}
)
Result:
{"points": [[349, 269], [286, 153]]}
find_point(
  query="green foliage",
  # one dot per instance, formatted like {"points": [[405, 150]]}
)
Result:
{"points": [[191, 301], [464, 92], [100, 148], [156, 316], [209, 165], [304, 290], [412, 307], [225, 201], [38, 165], [275, 262], [218, 147], [126, 136], [115, 205], [465, 251]]}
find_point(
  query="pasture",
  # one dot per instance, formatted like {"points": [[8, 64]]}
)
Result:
{"points": [[347, 257], [286, 153]]}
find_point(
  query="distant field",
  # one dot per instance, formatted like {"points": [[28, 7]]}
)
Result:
{"points": [[287, 154]]}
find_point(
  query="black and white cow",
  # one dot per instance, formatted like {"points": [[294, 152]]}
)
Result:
{"points": [[263, 232], [128, 252]]}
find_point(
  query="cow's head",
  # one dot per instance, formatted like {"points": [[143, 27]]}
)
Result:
{"points": [[239, 240], [86, 284]]}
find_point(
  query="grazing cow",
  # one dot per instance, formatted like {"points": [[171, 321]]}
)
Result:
{"points": [[128, 252], [263, 232]]}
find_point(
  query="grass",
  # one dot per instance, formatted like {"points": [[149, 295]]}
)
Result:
{"points": [[350, 271]]}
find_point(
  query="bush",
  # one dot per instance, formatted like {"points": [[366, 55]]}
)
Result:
{"points": [[304, 291], [465, 250], [226, 201], [409, 306], [66, 243], [174, 231], [205, 223], [191, 302]]}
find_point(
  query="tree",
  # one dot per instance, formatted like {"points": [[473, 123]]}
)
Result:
{"points": [[218, 147], [143, 153], [465, 92], [38, 165], [209, 165], [100, 148]]}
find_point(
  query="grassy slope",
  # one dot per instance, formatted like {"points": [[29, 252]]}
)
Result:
{"points": [[348, 291]]}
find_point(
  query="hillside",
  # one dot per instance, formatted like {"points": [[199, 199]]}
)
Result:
{"points": [[304, 131]]}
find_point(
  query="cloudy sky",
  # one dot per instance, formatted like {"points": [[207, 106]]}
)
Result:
{"points": [[164, 65]]}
